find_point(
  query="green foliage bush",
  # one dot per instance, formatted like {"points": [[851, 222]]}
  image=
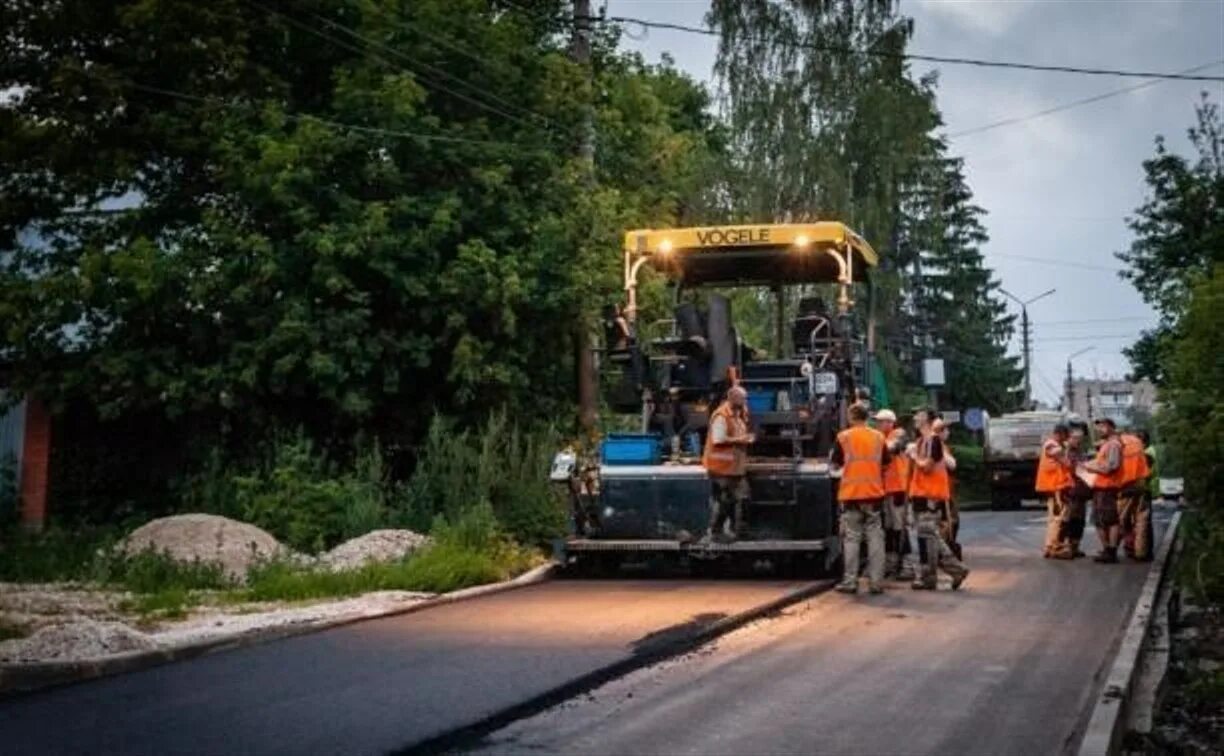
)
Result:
{"points": [[52, 556], [501, 466]]}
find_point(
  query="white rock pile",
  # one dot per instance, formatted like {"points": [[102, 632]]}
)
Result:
{"points": [[236, 546], [375, 546], [77, 639]]}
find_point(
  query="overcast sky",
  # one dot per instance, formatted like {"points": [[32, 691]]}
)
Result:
{"points": [[1059, 186]]}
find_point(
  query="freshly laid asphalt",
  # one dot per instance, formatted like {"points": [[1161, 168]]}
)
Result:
{"points": [[377, 686], [1008, 665]]}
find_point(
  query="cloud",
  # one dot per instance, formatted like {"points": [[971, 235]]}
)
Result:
{"points": [[993, 17]]}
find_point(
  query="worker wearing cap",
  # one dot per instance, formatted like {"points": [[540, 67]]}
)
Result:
{"points": [[726, 461], [896, 478], [1133, 513], [1107, 470], [1054, 484], [859, 458], [930, 485]]}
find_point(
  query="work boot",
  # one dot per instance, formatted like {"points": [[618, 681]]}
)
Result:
{"points": [[1106, 556], [1062, 552], [924, 584], [847, 586], [874, 588], [959, 578]]}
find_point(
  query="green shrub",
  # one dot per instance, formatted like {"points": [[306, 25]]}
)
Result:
{"points": [[501, 465], [53, 555], [150, 572]]}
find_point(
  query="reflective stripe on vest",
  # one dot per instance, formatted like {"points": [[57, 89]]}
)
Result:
{"points": [[1052, 475], [862, 474]]}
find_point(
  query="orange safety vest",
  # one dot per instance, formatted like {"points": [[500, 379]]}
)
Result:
{"points": [[1134, 460], [1114, 479], [862, 475], [725, 459], [933, 484], [1052, 473], [896, 473]]}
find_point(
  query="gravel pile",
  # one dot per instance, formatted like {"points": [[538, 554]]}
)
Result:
{"points": [[234, 545], [76, 640], [375, 546]]}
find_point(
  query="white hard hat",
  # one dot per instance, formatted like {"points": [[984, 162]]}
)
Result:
{"points": [[886, 415]]}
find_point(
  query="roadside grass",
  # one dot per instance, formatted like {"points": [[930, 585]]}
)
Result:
{"points": [[439, 568]]}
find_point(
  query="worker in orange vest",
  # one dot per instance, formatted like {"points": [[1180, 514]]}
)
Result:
{"points": [[1106, 469], [1134, 512], [726, 461], [896, 479], [859, 458], [929, 488], [1054, 483], [949, 513]]}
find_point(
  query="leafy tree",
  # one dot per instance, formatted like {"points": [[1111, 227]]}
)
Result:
{"points": [[345, 215], [1179, 235], [822, 131], [954, 304]]}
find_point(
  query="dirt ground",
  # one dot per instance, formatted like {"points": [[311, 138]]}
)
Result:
{"points": [[69, 622]]}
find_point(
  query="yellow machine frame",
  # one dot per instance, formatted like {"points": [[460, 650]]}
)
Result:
{"points": [[659, 247]]}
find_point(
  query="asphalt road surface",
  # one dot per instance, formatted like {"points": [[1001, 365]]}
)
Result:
{"points": [[1007, 665], [376, 686]]}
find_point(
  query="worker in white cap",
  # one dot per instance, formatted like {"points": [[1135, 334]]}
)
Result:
{"points": [[896, 478]]}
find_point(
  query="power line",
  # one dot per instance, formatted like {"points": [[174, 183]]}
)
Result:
{"points": [[1073, 104], [1090, 320], [410, 61], [1053, 261], [358, 51], [373, 130], [924, 58], [1091, 338]]}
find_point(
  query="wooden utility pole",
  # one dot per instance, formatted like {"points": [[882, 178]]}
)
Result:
{"points": [[580, 53]]}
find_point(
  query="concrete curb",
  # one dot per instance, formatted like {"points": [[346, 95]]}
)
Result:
{"points": [[1106, 728], [19, 679], [465, 737]]}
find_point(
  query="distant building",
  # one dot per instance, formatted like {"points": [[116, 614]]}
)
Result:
{"points": [[1124, 402]]}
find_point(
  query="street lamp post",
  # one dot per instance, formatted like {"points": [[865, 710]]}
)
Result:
{"points": [[1070, 385], [1024, 332]]}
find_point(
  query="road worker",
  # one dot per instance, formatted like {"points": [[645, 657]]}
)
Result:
{"points": [[1133, 512], [896, 478], [1055, 485], [1080, 494], [949, 511], [726, 461], [929, 485], [860, 455], [1106, 469]]}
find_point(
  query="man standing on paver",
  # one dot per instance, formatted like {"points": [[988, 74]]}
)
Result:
{"points": [[929, 486], [860, 456], [726, 461], [896, 477], [1054, 483], [1107, 480]]}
